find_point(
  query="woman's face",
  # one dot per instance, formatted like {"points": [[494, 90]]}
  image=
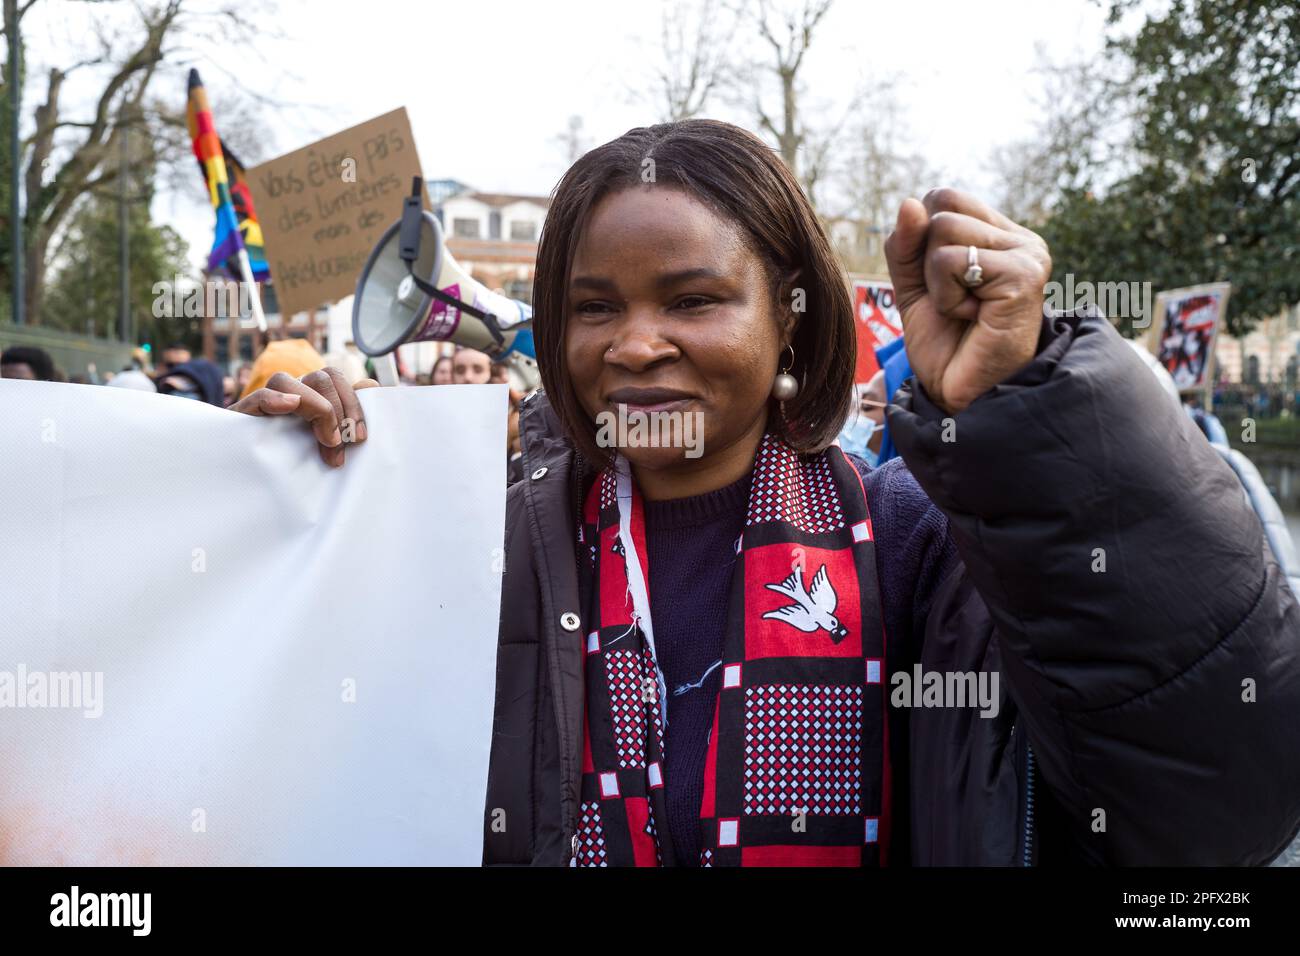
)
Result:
{"points": [[442, 372], [671, 310], [470, 367]]}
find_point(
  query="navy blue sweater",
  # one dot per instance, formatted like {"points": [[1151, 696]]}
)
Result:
{"points": [[692, 555]]}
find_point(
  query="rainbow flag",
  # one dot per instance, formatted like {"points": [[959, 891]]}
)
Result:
{"points": [[249, 228], [237, 225]]}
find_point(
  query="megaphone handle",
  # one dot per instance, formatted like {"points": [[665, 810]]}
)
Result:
{"points": [[408, 233], [487, 318], [386, 369]]}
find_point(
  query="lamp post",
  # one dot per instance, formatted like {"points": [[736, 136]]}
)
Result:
{"points": [[15, 205]]}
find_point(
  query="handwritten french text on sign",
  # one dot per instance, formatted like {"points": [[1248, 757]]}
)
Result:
{"points": [[323, 207]]}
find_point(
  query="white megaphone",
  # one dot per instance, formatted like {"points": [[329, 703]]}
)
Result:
{"points": [[413, 290]]}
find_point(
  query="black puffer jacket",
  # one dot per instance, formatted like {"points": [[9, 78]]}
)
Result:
{"points": [[1151, 710]]}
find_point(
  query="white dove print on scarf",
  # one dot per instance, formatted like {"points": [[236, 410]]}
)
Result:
{"points": [[813, 609]]}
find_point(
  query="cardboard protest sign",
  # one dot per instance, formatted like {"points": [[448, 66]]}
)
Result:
{"points": [[323, 207], [1187, 322], [878, 323], [218, 650]]}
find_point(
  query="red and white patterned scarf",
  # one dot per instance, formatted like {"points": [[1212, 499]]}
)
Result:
{"points": [[797, 771]]}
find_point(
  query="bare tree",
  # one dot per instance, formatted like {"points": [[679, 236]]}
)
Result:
{"points": [[876, 172], [1078, 121], [572, 141], [788, 32], [694, 64], [69, 158], [823, 143], [91, 162]]}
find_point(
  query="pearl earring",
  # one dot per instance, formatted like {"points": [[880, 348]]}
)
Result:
{"points": [[786, 385]]}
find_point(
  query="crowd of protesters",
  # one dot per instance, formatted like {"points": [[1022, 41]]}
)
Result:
{"points": [[1261, 400], [865, 433], [178, 373]]}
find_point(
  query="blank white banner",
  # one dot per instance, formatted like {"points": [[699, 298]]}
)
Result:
{"points": [[216, 650]]}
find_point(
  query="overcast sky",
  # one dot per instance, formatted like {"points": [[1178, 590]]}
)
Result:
{"points": [[490, 84]]}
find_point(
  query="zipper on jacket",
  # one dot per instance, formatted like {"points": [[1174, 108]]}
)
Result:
{"points": [[1028, 858]]}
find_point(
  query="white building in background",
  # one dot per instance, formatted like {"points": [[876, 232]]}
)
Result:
{"points": [[859, 245], [494, 236], [496, 217], [1269, 354]]}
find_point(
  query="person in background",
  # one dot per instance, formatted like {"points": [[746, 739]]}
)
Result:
{"points": [[243, 376], [442, 371], [893, 360], [178, 353], [22, 361], [864, 430], [498, 375], [349, 360], [514, 453], [868, 428], [471, 367], [294, 357], [197, 379], [139, 360], [1206, 421], [132, 378]]}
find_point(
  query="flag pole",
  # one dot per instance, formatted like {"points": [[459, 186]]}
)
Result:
{"points": [[246, 271]]}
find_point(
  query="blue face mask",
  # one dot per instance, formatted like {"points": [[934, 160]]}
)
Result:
{"points": [[855, 436]]}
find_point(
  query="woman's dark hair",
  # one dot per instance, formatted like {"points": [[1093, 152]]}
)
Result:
{"points": [[740, 178]]}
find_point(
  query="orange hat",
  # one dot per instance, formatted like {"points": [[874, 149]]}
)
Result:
{"points": [[295, 357]]}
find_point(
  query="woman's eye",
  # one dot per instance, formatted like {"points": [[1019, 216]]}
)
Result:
{"points": [[594, 308], [689, 302]]}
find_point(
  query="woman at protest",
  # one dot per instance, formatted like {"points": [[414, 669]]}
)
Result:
{"points": [[755, 654], [441, 374]]}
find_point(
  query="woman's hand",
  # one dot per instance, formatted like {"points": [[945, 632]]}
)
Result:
{"points": [[323, 399], [962, 341]]}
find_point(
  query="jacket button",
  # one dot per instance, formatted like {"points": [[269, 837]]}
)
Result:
{"points": [[540, 472], [569, 621]]}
